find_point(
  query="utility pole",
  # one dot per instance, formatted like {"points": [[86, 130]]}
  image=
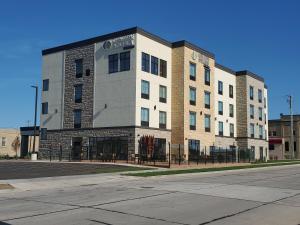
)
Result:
{"points": [[290, 101], [35, 113]]}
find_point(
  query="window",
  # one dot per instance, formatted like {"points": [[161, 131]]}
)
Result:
{"points": [[287, 146], [145, 117], [192, 71], [124, 61], [265, 102], [113, 63], [77, 118], [192, 96], [45, 108], [79, 67], [231, 110], [162, 93], [145, 90], [220, 107], [230, 91], [252, 111], [252, 130], [221, 128], [251, 93], [274, 133], [260, 113], [3, 141], [261, 131], [259, 94], [78, 93], [43, 134], [163, 68], [192, 121], [145, 62], [271, 147], [207, 122], [220, 87], [46, 85], [162, 119], [154, 65], [194, 147], [207, 99], [207, 75], [231, 130]]}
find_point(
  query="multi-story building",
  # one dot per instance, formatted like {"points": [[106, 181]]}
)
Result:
{"points": [[280, 137], [109, 91]]}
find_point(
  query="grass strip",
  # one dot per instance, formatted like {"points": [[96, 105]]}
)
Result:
{"points": [[119, 169]]}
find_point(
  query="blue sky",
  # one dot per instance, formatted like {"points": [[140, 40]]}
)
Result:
{"points": [[263, 37]]}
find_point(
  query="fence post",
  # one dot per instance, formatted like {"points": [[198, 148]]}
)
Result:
{"points": [[226, 154], [169, 155], [249, 155], [179, 155], [238, 155], [60, 153], [205, 155], [198, 154], [213, 155]]}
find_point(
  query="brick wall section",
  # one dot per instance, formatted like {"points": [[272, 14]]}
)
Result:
{"points": [[87, 54], [241, 107]]}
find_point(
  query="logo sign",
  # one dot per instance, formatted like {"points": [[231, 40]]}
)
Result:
{"points": [[201, 58], [119, 42]]}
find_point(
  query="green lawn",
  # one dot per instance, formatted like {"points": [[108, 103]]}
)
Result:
{"points": [[203, 170]]}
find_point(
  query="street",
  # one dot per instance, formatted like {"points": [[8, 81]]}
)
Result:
{"points": [[257, 196]]}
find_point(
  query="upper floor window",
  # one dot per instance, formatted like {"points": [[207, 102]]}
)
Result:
{"points": [[192, 71], [154, 65], [79, 67], [259, 94], [78, 93], [124, 61], [45, 108], [145, 62], [231, 110], [113, 63], [46, 85], [207, 75], [220, 107], [192, 121], [261, 131], [77, 118], [207, 123], [260, 113], [162, 93], [207, 100], [220, 87], [162, 119], [3, 141], [251, 111], [251, 92], [192, 96], [265, 102], [252, 130], [163, 68], [145, 89], [231, 130], [221, 131], [145, 117], [230, 91]]}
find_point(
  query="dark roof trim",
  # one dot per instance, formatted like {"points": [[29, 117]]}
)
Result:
{"points": [[185, 43], [224, 68], [248, 73]]}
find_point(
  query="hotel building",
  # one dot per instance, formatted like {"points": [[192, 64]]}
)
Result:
{"points": [[109, 91]]}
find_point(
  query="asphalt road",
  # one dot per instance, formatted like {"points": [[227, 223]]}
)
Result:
{"points": [[268, 196]]}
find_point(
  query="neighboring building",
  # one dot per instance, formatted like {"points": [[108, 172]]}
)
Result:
{"points": [[27, 139], [9, 142], [280, 137], [109, 91]]}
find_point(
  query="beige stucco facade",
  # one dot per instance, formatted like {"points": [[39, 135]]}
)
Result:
{"points": [[9, 142]]}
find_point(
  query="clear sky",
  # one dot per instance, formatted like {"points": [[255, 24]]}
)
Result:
{"points": [[261, 36]]}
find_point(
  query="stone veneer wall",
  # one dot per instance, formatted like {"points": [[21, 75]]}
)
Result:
{"points": [[225, 142]]}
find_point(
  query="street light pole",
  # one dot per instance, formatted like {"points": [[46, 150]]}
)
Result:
{"points": [[35, 114]]}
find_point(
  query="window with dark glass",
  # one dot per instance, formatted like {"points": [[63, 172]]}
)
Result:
{"points": [[192, 121], [145, 89], [207, 100], [77, 118], [230, 91], [271, 147], [221, 131], [265, 102], [260, 113], [154, 65], [78, 93], [207, 123], [192, 71], [287, 146], [192, 96], [79, 67], [113, 63], [231, 110], [231, 130], [252, 134], [43, 133], [145, 62], [259, 94], [162, 119], [163, 68], [251, 93], [220, 107], [207, 75], [145, 117], [252, 111], [220, 87], [124, 61], [162, 93], [261, 131], [46, 85], [45, 108]]}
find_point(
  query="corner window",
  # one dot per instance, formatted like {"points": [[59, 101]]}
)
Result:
{"points": [[230, 91], [207, 100], [45, 108], [162, 94], [220, 107], [261, 131], [154, 65], [124, 61], [145, 89], [220, 87], [259, 94], [77, 118], [260, 113], [192, 120], [145, 117], [46, 85], [163, 68], [79, 67], [192, 96], [43, 134], [252, 133], [221, 131], [251, 92], [207, 123], [192, 71], [252, 111], [231, 110], [231, 130], [206, 75], [145, 62], [113, 63], [78, 93], [162, 119]]}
